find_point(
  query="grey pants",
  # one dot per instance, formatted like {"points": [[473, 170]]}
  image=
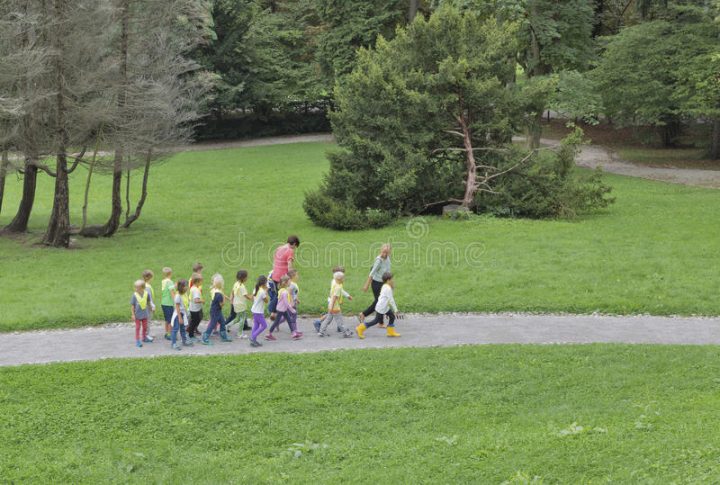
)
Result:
{"points": [[329, 318]]}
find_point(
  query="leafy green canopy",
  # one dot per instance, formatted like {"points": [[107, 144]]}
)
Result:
{"points": [[424, 119]]}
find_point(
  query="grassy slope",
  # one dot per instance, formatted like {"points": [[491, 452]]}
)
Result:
{"points": [[654, 251], [474, 414]]}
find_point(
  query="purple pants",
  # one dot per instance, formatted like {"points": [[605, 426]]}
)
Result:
{"points": [[289, 317], [259, 325]]}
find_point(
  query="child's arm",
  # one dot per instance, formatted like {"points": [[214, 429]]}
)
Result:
{"points": [[179, 313], [132, 312], [331, 305], [249, 297]]}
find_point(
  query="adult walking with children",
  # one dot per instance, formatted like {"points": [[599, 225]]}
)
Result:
{"points": [[282, 263], [380, 266]]}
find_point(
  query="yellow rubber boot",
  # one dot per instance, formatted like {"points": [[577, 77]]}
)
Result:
{"points": [[360, 329], [391, 332]]}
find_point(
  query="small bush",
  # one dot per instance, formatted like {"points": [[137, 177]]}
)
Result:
{"points": [[325, 211]]}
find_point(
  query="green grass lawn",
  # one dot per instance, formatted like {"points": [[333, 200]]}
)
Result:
{"points": [[657, 250], [487, 414]]}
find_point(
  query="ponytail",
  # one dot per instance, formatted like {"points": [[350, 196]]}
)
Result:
{"points": [[261, 281]]}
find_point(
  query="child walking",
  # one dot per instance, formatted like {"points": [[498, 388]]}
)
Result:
{"points": [[168, 300], [140, 304], [196, 305], [385, 307], [148, 276], [216, 315], [345, 294], [180, 316], [284, 310], [334, 308], [240, 299], [261, 299]]}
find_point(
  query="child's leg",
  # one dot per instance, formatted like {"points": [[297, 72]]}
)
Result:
{"points": [[144, 328], [391, 318], [259, 325], [231, 317], [210, 328], [378, 319], [194, 323], [292, 321], [340, 322], [326, 322], [280, 316], [183, 335], [174, 332], [223, 328], [137, 329]]}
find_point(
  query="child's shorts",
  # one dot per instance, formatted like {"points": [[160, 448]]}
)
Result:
{"points": [[168, 313]]}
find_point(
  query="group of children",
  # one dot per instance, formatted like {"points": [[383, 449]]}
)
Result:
{"points": [[182, 305]]}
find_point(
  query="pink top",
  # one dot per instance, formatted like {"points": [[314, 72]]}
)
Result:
{"points": [[285, 302], [283, 256]]}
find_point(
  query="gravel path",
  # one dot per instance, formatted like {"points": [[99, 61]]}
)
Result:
{"points": [[592, 156], [116, 341]]}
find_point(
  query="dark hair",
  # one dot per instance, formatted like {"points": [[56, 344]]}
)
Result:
{"points": [[261, 281], [387, 277], [242, 275], [293, 241], [197, 267], [341, 269], [182, 286]]}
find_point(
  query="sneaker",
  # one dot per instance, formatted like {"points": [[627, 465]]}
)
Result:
{"points": [[226, 340], [347, 334], [340, 330], [187, 343], [297, 336], [255, 343], [148, 340], [138, 343], [167, 336], [270, 337], [242, 336], [176, 347], [206, 341], [316, 324]]}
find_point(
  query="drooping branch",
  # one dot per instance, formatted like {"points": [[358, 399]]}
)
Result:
{"points": [[143, 194]]}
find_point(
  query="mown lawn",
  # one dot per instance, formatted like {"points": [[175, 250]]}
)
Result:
{"points": [[657, 250], [487, 414]]}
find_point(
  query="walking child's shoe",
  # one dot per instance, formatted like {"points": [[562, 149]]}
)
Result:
{"points": [[138, 343], [255, 343], [187, 343], [176, 347], [297, 336], [347, 333], [148, 339], [391, 332], [270, 337], [167, 336], [360, 329], [242, 336], [206, 341], [316, 324]]}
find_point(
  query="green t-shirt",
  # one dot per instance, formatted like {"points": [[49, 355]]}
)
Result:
{"points": [[167, 290]]}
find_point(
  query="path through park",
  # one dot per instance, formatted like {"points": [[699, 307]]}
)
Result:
{"points": [[116, 341]]}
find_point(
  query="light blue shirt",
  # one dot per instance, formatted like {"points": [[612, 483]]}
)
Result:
{"points": [[379, 268]]}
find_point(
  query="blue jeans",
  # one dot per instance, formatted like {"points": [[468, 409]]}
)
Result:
{"points": [[273, 295], [175, 327], [214, 320]]}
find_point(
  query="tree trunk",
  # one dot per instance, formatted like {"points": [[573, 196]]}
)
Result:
{"points": [[20, 221], [4, 160], [143, 195], [113, 223], [91, 168], [58, 231], [470, 165], [715, 144], [413, 8], [534, 131], [127, 195]]}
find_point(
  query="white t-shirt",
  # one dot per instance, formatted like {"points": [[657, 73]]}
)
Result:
{"points": [[179, 301], [386, 300], [258, 305], [238, 295], [195, 293]]}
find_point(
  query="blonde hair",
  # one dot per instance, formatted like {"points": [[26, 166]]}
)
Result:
{"points": [[218, 281], [166, 271], [148, 274], [284, 281], [339, 275], [139, 284], [292, 273]]}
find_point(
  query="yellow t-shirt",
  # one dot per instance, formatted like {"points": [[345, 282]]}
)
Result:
{"points": [[336, 290], [238, 297]]}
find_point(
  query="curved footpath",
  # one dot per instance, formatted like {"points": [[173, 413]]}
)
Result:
{"points": [[116, 341]]}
